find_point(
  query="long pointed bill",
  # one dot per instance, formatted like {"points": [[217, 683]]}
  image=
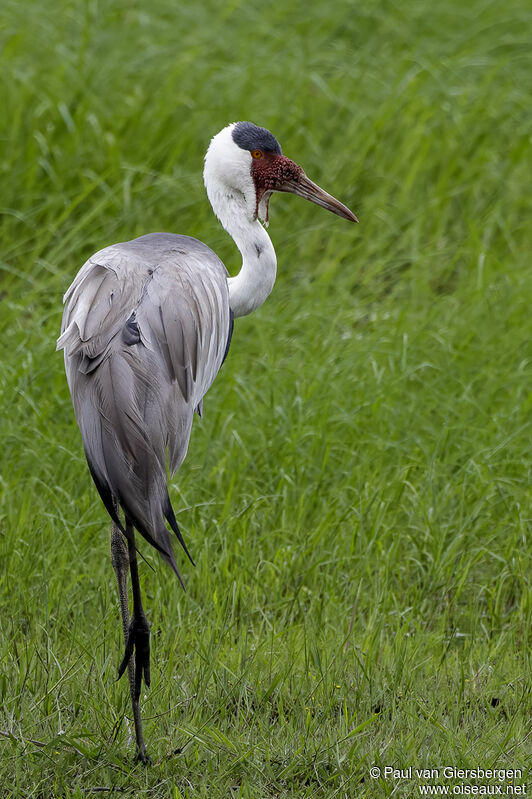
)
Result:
{"points": [[304, 187]]}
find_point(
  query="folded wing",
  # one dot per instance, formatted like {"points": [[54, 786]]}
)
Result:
{"points": [[145, 330]]}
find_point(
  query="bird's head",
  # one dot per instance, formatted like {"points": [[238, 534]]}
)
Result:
{"points": [[248, 161]]}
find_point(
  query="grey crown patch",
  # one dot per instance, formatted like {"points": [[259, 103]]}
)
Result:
{"points": [[251, 137]]}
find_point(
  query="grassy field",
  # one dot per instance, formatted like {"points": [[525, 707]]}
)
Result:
{"points": [[357, 495]]}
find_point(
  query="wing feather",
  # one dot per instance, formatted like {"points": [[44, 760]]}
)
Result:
{"points": [[145, 330]]}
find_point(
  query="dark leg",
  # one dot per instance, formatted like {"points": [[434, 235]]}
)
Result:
{"points": [[138, 637], [120, 559]]}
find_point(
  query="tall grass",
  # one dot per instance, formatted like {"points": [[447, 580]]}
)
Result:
{"points": [[357, 496]]}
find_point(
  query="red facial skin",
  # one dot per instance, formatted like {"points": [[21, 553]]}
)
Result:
{"points": [[270, 172]]}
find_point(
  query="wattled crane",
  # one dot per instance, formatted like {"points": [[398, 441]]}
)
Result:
{"points": [[146, 327]]}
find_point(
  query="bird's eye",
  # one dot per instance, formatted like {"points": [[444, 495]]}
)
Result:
{"points": [[256, 153]]}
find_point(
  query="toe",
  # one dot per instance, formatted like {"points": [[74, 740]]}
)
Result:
{"points": [[130, 645], [143, 757]]}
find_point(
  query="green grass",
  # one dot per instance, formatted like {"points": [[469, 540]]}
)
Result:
{"points": [[357, 496]]}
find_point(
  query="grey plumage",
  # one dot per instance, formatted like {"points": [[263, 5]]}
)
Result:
{"points": [[143, 340], [146, 327]]}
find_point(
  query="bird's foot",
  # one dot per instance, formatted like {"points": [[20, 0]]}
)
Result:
{"points": [[138, 639], [143, 757]]}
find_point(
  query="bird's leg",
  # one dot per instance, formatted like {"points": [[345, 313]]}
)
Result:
{"points": [[138, 636], [120, 561]]}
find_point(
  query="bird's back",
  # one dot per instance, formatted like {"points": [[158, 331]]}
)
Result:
{"points": [[145, 329]]}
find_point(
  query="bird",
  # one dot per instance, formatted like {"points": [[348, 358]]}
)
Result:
{"points": [[146, 326]]}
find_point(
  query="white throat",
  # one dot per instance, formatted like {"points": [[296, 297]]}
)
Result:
{"points": [[231, 191]]}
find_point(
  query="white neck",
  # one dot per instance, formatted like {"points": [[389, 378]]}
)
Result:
{"points": [[254, 283], [235, 208]]}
